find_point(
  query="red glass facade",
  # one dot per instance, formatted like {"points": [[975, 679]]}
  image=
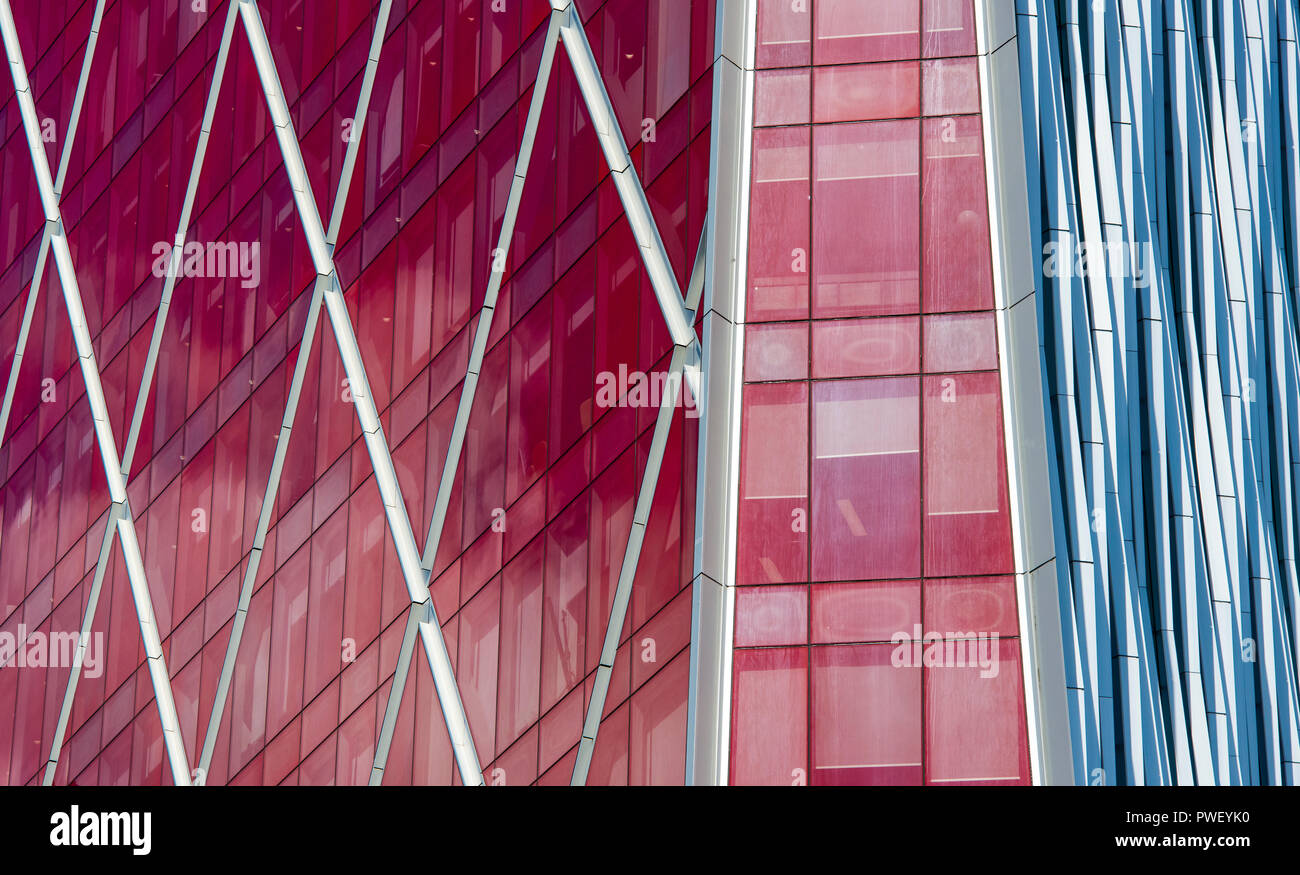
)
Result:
{"points": [[873, 497], [543, 502], [876, 624]]}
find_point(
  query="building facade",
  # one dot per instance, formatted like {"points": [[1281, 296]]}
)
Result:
{"points": [[808, 392]]}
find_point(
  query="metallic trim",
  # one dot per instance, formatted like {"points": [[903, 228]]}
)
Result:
{"points": [[708, 721], [1020, 365]]}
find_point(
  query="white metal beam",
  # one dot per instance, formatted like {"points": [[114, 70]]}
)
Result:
{"points": [[99, 410], [291, 401], [469, 387], [141, 401], [399, 525], [684, 359], [33, 293]]}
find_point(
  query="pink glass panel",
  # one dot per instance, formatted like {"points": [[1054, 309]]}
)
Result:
{"points": [[866, 515], [865, 347], [975, 726], [956, 266], [866, 222], [771, 615], [776, 351], [967, 526], [960, 342], [769, 730], [779, 236], [858, 92], [866, 717], [773, 526], [853, 30]]}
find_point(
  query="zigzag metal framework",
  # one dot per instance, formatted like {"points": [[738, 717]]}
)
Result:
{"points": [[110, 529], [1172, 401], [565, 27], [113, 466]]}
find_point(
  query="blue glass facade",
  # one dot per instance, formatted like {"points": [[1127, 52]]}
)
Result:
{"points": [[1160, 147]]}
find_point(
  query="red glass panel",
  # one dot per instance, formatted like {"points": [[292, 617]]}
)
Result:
{"points": [[948, 27], [773, 525], [770, 615], [866, 511], [865, 263], [852, 30], [865, 347], [769, 729], [779, 237], [847, 613], [866, 91], [985, 605], [784, 33], [950, 87], [781, 97], [975, 725], [957, 267], [961, 342], [866, 716], [776, 351], [967, 525], [657, 753]]}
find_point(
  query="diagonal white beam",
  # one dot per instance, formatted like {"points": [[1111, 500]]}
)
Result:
{"points": [[70, 134], [291, 401], [142, 399], [99, 410], [469, 387], [399, 525], [684, 358], [564, 24], [414, 614], [628, 184]]}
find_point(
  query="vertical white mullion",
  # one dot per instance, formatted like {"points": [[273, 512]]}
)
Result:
{"points": [[717, 491]]}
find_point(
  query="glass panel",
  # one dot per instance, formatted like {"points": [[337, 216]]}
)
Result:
{"points": [[949, 27], [776, 351], [866, 219], [951, 87], [769, 729], [853, 30], [866, 91], [773, 484], [866, 724], [961, 342], [847, 613], [975, 723], [865, 347], [770, 615], [657, 754], [986, 605], [779, 226], [784, 30], [957, 262], [866, 516], [521, 616], [967, 526], [781, 97]]}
